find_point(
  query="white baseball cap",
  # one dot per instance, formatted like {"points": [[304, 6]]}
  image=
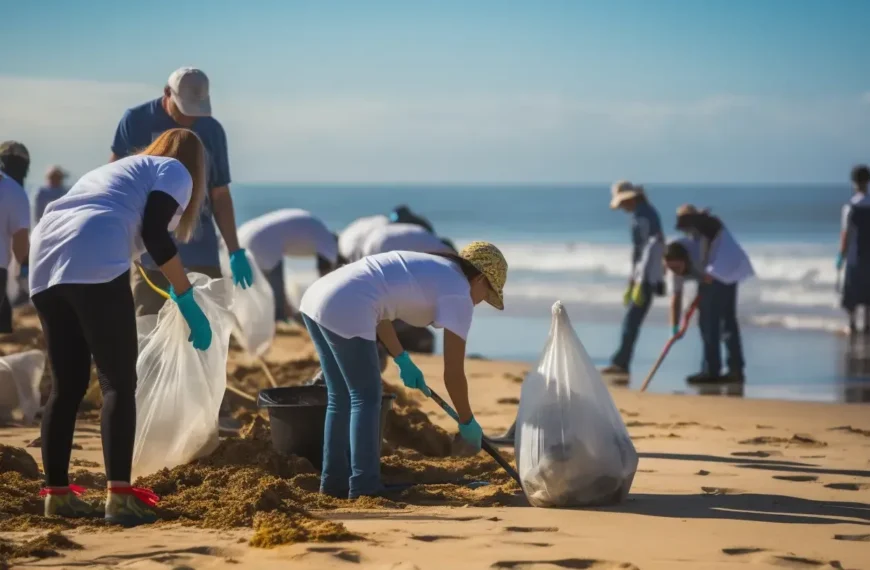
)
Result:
{"points": [[188, 87]]}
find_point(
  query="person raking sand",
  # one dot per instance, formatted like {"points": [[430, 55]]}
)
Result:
{"points": [[80, 285], [347, 311]]}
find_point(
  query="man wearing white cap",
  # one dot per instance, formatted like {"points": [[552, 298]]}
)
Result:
{"points": [[185, 103]]}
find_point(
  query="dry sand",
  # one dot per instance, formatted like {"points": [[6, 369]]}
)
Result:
{"points": [[722, 483]]}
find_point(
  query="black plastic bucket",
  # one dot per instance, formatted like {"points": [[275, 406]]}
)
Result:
{"points": [[297, 415]]}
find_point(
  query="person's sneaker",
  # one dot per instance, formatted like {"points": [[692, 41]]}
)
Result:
{"points": [[614, 370], [705, 378], [735, 376], [65, 502], [131, 506]]}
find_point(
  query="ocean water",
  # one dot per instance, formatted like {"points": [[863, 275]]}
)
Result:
{"points": [[563, 243]]}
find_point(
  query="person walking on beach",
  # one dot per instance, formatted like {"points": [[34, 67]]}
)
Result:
{"points": [[647, 274], [80, 286], [347, 311], [53, 189], [14, 222], [185, 103], [854, 250], [711, 255], [291, 232]]}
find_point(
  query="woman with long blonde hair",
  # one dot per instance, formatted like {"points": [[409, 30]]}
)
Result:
{"points": [[80, 259]]}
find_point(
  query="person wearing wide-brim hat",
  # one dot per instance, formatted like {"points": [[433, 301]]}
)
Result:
{"points": [[349, 310], [646, 276]]}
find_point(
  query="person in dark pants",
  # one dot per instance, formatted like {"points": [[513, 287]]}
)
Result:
{"points": [[854, 250], [14, 222], [712, 256], [646, 275], [80, 285]]}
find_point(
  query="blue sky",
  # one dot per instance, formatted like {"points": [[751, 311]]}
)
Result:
{"points": [[473, 91]]}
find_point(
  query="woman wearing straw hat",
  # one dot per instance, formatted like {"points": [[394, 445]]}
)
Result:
{"points": [[647, 273], [350, 309]]}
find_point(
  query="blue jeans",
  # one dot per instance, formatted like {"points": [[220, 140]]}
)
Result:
{"points": [[353, 384], [275, 277], [631, 327], [717, 319]]}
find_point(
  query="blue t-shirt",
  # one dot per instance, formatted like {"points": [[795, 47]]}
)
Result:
{"points": [[138, 128], [45, 196]]}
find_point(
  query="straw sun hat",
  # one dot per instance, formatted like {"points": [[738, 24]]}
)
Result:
{"points": [[489, 260], [623, 190]]}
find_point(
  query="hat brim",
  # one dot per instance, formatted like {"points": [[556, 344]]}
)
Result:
{"points": [[200, 108], [495, 298], [622, 197]]}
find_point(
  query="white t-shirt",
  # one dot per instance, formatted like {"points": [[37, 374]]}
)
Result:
{"points": [[403, 237], [857, 201], [14, 215], [726, 261], [292, 232], [417, 288], [352, 238], [92, 234]]}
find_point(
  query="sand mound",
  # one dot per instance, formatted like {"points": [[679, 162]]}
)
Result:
{"points": [[17, 460], [45, 546]]}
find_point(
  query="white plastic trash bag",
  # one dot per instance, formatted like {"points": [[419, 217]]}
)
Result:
{"points": [[12, 287], [180, 389], [572, 446], [20, 375], [254, 309]]}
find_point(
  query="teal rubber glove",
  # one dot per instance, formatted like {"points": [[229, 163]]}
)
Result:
{"points": [[410, 374], [840, 261], [471, 433], [675, 330], [243, 276], [200, 329]]}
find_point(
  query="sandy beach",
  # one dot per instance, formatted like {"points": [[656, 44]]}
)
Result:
{"points": [[722, 483]]}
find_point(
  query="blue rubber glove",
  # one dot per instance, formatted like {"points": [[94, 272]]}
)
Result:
{"points": [[840, 261], [471, 433], [200, 329], [411, 375], [24, 272], [242, 274]]}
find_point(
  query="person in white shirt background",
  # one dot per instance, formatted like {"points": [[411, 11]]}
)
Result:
{"points": [[854, 250], [288, 232], [711, 255], [352, 238], [14, 222], [349, 310], [80, 260]]}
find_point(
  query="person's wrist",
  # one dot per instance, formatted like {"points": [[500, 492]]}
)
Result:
{"points": [[402, 357], [180, 297], [468, 422]]}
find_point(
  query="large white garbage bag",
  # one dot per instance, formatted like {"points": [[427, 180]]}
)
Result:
{"points": [[180, 389], [572, 446], [20, 375], [12, 288], [254, 309]]}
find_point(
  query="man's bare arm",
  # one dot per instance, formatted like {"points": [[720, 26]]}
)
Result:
{"points": [[225, 216]]}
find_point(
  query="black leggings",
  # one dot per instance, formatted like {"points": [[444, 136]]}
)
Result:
{"points": [[80, 321]]}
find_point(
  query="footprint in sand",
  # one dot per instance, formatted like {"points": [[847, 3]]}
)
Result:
{"points": [[336, 552], [720, 491], [787, 560], [848, 486], [702, 473], [508, 401], [853, 537], [795, 440], [755, 453], [531, 529], [796, 478], [850, 429], [435, 537], [573, 563]]}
